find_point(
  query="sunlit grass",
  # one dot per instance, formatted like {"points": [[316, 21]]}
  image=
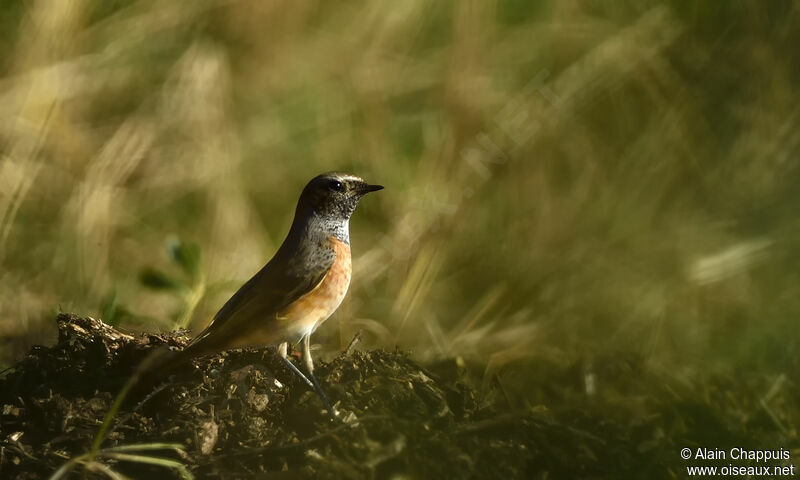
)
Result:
{"points": [[563, 180], [95, 461]]}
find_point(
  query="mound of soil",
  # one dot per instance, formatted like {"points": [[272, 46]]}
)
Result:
{"points": [[241, 414]]}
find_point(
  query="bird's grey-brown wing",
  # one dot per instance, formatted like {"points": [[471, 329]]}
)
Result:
{"points": [[270, 291]]}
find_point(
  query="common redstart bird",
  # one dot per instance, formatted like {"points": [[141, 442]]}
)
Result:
{"points": [[303, 284]]}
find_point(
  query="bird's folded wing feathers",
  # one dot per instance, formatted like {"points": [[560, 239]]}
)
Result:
{"points": [[260, 299]]}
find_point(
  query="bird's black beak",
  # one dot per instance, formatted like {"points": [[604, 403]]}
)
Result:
{"points": [[366, 188]]}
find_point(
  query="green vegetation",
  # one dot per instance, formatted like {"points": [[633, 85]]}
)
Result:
{"points": [[567, 183]]}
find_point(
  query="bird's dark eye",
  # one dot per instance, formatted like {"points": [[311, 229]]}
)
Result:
{"points": [[336, 185]]}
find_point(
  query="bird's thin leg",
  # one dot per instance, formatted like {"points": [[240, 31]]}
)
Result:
{"points": [[283, 353], [310, 367], [307, 354], [310, 380]]}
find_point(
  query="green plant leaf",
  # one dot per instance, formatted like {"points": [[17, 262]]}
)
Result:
{"points": [[158, 280], [146, 459], [186, 255], [138, 447]]}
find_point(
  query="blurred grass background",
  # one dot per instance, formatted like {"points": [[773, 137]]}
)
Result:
{"points": [[568, 181]]}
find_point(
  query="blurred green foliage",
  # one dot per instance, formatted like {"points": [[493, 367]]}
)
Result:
{"points": [[565, 180], [189, 286]]}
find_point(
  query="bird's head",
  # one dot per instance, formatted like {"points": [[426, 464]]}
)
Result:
{"points": [[335, 195]]}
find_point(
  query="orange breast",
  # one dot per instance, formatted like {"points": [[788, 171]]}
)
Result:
{"points": [[309, 311]]}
